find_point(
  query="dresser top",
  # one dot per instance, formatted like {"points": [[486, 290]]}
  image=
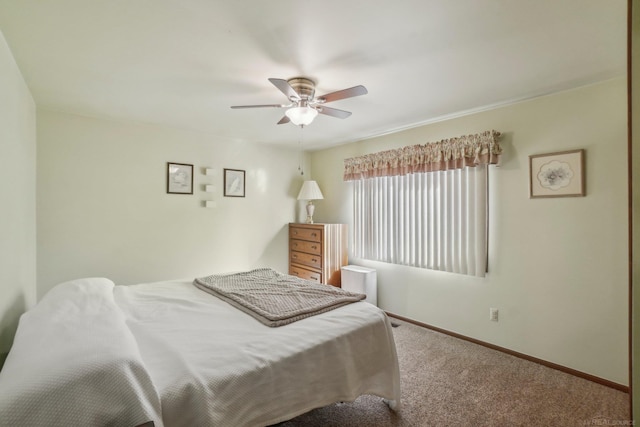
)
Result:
{"points": [[315, 224]]}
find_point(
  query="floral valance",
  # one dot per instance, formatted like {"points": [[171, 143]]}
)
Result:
{"points": [[453, 153]]}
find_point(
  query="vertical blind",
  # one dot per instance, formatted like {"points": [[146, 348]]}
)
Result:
{"points": [[435, 219]]}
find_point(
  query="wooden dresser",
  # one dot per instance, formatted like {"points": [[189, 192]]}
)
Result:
{"points": [[318, 251]]}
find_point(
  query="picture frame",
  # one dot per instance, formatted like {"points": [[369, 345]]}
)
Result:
{"points": [[559, 174], [234, 183], [179, 178]]}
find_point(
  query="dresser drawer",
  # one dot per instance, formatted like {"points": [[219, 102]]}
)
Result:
{"points": [[310, 234], [305, 274], [306, 246], [311, 260]]}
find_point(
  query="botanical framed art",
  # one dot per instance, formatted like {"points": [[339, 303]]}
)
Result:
{"points": [[179, 178], [559, 174], [234, 183]]}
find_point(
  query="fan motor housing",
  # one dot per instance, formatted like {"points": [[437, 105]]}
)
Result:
{"points": [[306, 88]]}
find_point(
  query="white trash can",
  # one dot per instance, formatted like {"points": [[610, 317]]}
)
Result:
{"points": [[362, 280]]}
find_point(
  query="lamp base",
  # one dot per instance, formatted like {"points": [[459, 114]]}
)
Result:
{"points": [[310, 209]]}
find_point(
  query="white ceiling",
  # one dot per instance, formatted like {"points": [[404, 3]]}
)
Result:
{"points": [[183, 63]]}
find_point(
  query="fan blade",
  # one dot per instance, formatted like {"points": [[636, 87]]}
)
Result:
{"points": [[333, 112], [285, 88], [342, 94], [262, 106], [283, 120]]}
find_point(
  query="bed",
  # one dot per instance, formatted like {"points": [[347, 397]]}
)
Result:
{"points": [[169, 353]]}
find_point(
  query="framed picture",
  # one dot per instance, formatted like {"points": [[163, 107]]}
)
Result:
{"points": [[179, 178], [233, 183], [558, 174]]}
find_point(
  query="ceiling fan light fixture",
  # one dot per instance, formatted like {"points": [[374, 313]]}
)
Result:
{"points": [[301, 116], [304, 106]]}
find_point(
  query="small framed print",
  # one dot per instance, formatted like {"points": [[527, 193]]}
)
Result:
{"points": [[233, 183], [179, 178], [558, 174]]}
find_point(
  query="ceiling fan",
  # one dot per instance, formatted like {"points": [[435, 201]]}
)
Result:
{"points": [[303, 105]]}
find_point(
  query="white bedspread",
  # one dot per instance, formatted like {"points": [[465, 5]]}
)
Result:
{"points": [[74, 362], [217, 366]]}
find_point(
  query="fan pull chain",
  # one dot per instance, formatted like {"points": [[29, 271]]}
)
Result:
{"points": [[300, 152]]}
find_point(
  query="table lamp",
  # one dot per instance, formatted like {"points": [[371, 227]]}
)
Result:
{"points": [[310, 191]]}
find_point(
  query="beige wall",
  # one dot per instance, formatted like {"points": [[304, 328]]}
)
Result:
{"points": [[17, 198], [557, 267], [103, 208]]}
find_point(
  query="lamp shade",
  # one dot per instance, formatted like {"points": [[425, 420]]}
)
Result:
{"points": [[301, 116], [310, 191]]}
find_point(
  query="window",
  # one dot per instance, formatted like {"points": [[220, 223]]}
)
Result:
{"points": [[435, 219]]}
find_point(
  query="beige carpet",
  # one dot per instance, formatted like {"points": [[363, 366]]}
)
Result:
{"points": [[450, 382]]}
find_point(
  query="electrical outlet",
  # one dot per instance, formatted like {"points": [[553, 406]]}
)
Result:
{"points": [[493, 314]]}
